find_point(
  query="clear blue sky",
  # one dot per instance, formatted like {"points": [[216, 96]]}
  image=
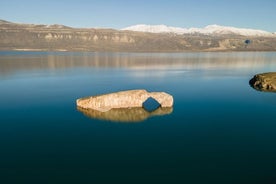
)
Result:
{"points": [[256, 14]]}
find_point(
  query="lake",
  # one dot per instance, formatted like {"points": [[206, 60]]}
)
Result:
{"points": [[220, 130]]}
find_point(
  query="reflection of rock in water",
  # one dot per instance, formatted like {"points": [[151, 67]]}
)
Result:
{"points": [[125, 114], [264, 82]]}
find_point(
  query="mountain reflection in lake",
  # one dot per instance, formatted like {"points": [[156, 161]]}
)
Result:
{"points": [[15, 61], [220, 130]]}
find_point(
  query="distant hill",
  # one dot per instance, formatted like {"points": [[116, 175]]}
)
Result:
{"points": [[15, 36]]}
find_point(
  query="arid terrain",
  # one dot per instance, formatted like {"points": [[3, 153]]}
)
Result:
{"points": [[15, 36]]}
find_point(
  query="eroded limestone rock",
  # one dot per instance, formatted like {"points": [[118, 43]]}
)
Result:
{"points": [[264, 82], [124, 99]]}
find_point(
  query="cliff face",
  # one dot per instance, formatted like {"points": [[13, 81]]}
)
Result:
{"points": [[57, 37]]}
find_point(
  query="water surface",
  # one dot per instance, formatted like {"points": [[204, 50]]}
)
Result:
{"points": [[219, 131]]}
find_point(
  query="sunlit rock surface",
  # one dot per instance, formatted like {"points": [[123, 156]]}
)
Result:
{"points": [[124, 99], [264, 82], [125, 115]]}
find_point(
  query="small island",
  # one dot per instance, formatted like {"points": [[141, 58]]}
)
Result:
{"points": [[126, 106], [124, 99], [264, 82]]}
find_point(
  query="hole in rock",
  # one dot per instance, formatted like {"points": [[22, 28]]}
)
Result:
{"points": [[151, 104]]}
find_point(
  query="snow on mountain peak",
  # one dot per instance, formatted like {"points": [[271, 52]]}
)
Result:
{"points": [[156, 29], [208, 30], [216, 29]]}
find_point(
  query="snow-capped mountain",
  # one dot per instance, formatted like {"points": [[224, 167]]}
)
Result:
{"points": [[208, 30], [156, 29]]}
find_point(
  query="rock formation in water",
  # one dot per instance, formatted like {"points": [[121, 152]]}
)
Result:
{"points": [[264, 82], [124, 99]]}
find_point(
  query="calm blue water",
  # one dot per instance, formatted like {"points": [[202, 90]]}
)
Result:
{"points": [[219, 131]]}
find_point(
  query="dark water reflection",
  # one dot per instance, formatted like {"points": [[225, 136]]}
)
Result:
{"points": [[219, 131]]}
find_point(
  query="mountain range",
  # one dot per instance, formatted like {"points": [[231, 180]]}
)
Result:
{"points": [[208, 30], [139, 38]]}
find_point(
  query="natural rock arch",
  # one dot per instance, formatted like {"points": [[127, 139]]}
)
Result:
{"points": [[124, 99]]}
